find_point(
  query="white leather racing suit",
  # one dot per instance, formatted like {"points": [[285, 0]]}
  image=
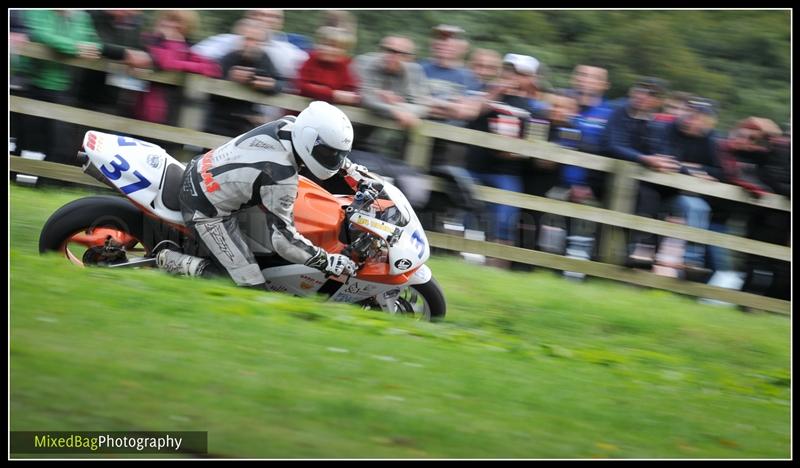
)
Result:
{"points": [[256, 168]]}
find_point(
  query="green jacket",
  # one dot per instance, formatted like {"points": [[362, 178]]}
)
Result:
{"points": [[62, 33]]}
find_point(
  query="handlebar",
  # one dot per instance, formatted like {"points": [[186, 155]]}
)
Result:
{"points": [[366, 194]]}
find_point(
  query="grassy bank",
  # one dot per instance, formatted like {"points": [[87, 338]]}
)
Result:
{"points": [[526, 365]]}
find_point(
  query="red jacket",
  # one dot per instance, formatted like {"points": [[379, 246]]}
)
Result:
{"points": [[318, 80]]}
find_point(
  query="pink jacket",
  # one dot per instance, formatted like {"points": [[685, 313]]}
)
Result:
{"points": [[175, 56]]}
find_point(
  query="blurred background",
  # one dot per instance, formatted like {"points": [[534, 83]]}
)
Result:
{"points": [[740, 58], [527, 363]]}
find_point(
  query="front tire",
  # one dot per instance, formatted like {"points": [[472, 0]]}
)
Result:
{"points": [[434, 307]]}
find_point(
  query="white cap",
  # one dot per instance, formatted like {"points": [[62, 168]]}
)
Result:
{"points": [[524, 64]]}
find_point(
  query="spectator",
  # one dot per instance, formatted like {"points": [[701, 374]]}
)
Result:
{"points": [[327, 75], [562, 117], [449, 81], [675, 106], [589, 84], [249, 66], [341, 19], [690, 139], [454, 90], [543, 177], [117, 92], [285, 56], [757, 158], [69, 32], [486, 65], [630, 136], [168, 47], [392, 85], [505, 114]]}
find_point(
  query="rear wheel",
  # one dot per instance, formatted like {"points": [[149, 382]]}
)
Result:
{"points": [[99, 230]]}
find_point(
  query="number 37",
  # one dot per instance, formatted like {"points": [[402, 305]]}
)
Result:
{"points": [[116, 170]]}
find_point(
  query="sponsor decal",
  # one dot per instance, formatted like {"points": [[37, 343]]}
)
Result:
{"points": [[91, 141], [306, 285], [359, 289], [215, 231], [311, 279], [375, 224], [259, 143], [342, 297], [208, 179], [403, 264], [154, 160]]}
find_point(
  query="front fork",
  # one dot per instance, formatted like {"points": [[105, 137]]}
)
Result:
{"points": [[388, 300]]}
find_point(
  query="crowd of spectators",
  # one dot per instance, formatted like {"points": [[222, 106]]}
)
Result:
{"points": [[501, 93]]}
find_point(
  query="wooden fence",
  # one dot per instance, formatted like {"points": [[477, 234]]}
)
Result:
{"points": [[625, 178]]}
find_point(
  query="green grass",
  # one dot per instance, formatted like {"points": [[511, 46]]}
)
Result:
{"points": [[526, 365]]}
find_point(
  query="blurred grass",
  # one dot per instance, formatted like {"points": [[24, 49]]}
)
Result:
{"points": [[526, 365]]}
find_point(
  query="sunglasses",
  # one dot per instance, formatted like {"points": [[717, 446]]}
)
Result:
{"points": [[443, 36], [395, 51], [650, 91]]}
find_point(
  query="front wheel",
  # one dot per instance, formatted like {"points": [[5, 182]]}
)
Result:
{"points": [[423, 301]]}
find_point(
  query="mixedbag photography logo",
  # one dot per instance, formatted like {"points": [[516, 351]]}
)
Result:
{"points": [[34, 442]]}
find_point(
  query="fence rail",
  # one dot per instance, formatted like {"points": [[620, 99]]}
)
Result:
{"points": [[573, 210], [625, 177]]}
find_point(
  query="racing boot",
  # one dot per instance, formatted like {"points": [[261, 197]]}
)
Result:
{"points": [[181, 264]]}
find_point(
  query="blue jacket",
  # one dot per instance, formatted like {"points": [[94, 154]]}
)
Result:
{"points": [[629, 138], [447, 83], [592, 123]]}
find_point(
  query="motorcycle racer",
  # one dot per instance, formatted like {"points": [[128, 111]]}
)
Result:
{"points": [[260, 168]]}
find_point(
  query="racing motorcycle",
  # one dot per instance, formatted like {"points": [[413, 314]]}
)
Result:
{"points": [[375, 226]]}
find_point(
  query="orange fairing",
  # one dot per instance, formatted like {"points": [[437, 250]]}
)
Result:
{"points": [[318, 216]]}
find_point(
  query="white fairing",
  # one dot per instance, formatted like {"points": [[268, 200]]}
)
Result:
{"points": [[412, 246], [135, 167]]}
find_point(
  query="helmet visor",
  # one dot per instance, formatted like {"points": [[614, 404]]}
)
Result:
{"points": [[330, 158]]}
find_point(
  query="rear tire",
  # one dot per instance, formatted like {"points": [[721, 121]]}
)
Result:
{"points": [[92, 212]]}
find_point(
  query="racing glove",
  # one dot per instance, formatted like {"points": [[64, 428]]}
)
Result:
{"points": [[352, 173], [332, 264]]}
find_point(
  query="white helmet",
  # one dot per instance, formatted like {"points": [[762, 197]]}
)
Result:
{"points": [[323, 137]]}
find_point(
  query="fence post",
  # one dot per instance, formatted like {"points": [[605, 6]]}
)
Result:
{"points": [[191, 112], [622, 198], [418, 149]]}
